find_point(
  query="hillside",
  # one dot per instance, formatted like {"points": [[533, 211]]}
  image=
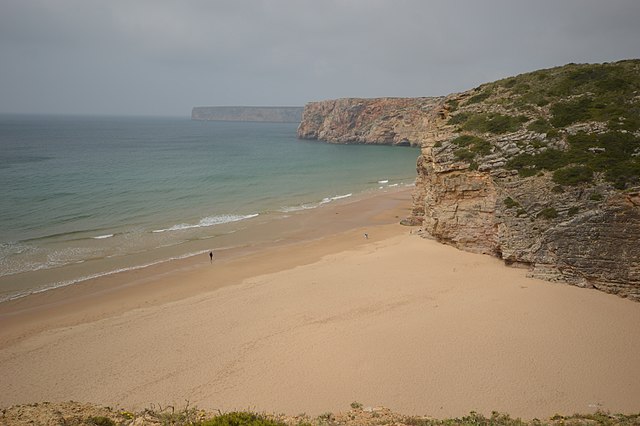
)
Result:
{"points": [[541, 170]]}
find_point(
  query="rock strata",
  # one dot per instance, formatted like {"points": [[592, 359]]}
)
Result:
{"points": [[383, 121], [541, 170]]}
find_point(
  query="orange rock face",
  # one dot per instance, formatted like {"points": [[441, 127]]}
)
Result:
{"points": [[387, 121]]}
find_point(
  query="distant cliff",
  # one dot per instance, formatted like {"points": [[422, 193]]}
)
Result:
{"points": [[541, 170], [241, 113], [388, 121]]}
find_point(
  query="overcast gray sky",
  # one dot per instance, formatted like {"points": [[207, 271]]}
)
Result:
{"points": [[154, 57]]}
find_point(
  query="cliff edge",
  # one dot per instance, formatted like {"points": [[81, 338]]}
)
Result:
{"points": [[383, 121], [541, 169]]}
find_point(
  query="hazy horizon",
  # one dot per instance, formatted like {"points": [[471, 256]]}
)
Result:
{"points": [[161, 58]]}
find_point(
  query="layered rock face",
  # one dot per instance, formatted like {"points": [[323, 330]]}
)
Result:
{"points": [[241, 113], [387, 121], [541, 170], [586, 236]]}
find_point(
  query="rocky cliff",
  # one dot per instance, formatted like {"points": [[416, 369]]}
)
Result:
{"points": [[541, 170], [241, 113], [389, 121]]}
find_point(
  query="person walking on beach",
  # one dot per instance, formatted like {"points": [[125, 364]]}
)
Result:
{"points": [[211, 257]]}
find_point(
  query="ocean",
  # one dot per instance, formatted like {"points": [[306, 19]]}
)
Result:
{"points": [[83, 197]]}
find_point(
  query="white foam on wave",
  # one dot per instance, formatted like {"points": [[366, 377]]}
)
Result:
{"points": [[96, 275], [337, 197], [384, 181], [102, 237], [308, 206], [206, 222], [290, 209]]}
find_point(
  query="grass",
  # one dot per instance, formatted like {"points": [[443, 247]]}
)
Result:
{"points": [[241, 418]]}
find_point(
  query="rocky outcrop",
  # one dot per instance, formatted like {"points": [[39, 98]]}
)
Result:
{"points": [[387, 121], [584, 235], [242, 113], [541, 170]]}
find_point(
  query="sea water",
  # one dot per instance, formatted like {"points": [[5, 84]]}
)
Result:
{"points": [[82, 197]]}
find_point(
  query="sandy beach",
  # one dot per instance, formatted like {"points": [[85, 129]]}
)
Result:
{"points": [[323, 318]]}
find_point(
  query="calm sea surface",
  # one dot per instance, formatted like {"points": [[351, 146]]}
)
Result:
{"points": [[86, 196]]}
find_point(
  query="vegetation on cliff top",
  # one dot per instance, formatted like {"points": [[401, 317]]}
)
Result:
{"points": [[604, 97], [615, 155]]}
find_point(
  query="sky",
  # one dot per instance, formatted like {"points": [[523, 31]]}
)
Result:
{"points": [[161, 58]]}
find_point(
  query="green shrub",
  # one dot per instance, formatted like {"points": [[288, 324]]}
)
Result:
{"points": [[614, 154], [101, 421], [548, 213], [612, 84], [510, 203], [459, 118], [493, 123], [566, 113], [463, 154], [475, 144], [540, 126], [479, 97], [573, 211], [453, 104], [470, 147], [573, 175], [521, 88], [510, 82], [596, 196], [241, 418], [528, 164]]}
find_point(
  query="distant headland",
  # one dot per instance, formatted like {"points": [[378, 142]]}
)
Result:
{"points": [[244, 113]]}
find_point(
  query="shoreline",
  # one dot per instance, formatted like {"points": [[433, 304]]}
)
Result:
{"points": [[258, 228], [134, 287], [325, 317]]}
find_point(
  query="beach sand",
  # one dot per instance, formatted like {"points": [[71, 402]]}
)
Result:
{"points": [[322, 319]]}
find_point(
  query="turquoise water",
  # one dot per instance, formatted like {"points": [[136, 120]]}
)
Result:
{"points": [[85, 189]]}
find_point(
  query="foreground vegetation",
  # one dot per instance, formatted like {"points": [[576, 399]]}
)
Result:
{"points": [[72, 413]]}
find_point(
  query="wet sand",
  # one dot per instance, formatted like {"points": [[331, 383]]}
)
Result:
{"points": [[323, 318]]}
